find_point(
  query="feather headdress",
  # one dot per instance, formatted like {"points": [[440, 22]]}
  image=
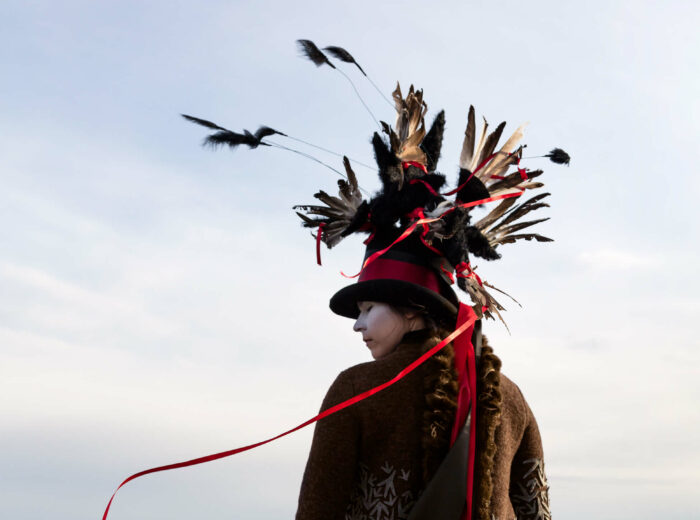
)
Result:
{"points": [[412, 200], [411, 192]]}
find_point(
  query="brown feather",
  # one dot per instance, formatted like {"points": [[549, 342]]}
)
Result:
{"points": [[465, 157], [491, 142], [512, 238], [495, 213], [477, 151], [512, 179]]}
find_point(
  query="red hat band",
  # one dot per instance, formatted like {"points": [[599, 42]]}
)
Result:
{"points": [[386, 268]]}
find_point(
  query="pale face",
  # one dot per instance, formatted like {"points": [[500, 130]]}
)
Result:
{"points": [[382, 327]]}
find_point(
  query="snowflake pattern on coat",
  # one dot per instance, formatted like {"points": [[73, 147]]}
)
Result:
{"points": [[531, 500], [376, 498]]}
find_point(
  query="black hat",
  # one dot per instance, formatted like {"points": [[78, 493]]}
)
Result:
{"points": [[406, 275]]}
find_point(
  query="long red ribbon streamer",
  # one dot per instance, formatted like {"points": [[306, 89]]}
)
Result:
{"points": [[333, 409], [465, 364]]}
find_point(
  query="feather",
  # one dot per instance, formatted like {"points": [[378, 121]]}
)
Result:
{"points": [[482, 298], [232, 139], [309, 49], [203, 122], [502, 292], [491, 142], [512, 238], [343, 55], [504, 157], [339, 213], [472, 189], [477, 151], [507, 230], [512, 179], [309, 222], [559, 156], [495, 214], [432, 142], [525, 208], [410, 125], [265, 131], [467, 154], [349, 190]]}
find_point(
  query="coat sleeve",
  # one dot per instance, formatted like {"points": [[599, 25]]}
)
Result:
{"points": [[529, 491], [330, 471]]}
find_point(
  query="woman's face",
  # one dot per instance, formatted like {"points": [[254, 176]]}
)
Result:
{"points": [[382, 327]]}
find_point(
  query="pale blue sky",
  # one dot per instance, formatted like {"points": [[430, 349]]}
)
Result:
{"points": [[159, 301]]}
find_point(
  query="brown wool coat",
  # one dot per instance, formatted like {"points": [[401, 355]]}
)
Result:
{"points": [[366, 461]]}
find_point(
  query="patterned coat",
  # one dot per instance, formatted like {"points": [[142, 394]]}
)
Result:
{"points": [[366, 461]]}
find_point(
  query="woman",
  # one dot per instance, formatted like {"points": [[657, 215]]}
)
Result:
{"points": [[416, 449], [378, 459]]}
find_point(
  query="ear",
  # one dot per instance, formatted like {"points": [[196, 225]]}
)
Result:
{"points": [[409, 313]]}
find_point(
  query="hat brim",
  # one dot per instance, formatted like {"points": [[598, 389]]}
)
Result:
{"points": [[395, 292]]}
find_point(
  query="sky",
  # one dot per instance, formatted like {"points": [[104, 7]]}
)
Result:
{"points": [[159, 301]]}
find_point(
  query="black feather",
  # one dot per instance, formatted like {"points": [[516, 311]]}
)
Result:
{"points": [[473, 190], [232, 139], [479, 245], [513, 179], [203, 122], [309, 49], [265, 131], [559, 156], [384, 157], [343, 55], [432, 142], [491, 142]]}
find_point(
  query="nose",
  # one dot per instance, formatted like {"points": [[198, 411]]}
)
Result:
{"points": [[359, 325]]}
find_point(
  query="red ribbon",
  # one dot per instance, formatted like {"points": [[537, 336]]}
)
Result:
{"points": [[428, 186], [420, 214], [319, 233], [448, 274], [459, 331], [463, 267], [418, 165], [465, 364], [483, 163], [424, 222], [379, 253]]}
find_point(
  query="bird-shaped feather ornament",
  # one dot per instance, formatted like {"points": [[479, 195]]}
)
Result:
{"points": [[231, 138], [311, 51], [343, 55], [559, 156]]}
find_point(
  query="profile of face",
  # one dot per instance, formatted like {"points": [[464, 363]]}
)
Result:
{"points": [[382, 326]]}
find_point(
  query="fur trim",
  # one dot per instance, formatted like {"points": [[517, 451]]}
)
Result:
{"points": [[432, 143], [488, 413]]}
